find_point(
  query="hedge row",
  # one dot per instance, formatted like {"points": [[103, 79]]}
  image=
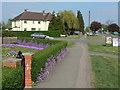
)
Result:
{"points": [[41, 56], [12, 77], [28, 33], [44, 41]]}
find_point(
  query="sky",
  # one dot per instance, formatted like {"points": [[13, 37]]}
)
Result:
{"points": [[100, 11]]}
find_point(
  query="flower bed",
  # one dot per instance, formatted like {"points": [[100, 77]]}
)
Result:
{"points": [[51, 62], [30, 45], [39, 70]]}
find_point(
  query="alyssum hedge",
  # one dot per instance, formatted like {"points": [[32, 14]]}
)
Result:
{"points": [[42, 63]]}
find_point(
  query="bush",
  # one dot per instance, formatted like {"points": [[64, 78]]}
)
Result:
{"points": [[9, 34], [40, 57], [28, 33], [113, 28], [12, 77], [44, 41]]}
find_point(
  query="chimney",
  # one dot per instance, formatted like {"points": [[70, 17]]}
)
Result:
{"points": [[25, 10], [43, 11]]}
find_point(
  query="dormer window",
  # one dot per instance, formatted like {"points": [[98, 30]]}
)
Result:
{"points": [[38, 22], [25, 21]]}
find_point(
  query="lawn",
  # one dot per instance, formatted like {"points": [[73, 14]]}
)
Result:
{"points": [[70, 44], [5, 51], [101, 48], [104, 72], [71, 37], [95, 37]]}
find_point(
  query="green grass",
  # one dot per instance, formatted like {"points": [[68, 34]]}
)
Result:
{"points": [[101, 48], [70, 44], [95, 37], [105, 71], [23, 50], [71, 37]]}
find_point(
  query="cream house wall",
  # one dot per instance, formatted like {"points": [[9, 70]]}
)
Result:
{"points": [[43, 26]]}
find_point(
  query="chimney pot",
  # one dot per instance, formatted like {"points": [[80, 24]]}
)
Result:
{"points": [[43, 11], [25, 10]]}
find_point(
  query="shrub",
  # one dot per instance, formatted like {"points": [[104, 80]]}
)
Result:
{"points": [[113, 28], [12, 77], [44, 41], [9, 34], [41, 57], [28, 33]]}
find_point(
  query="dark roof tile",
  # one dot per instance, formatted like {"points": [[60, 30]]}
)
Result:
{"points": [[33, 16]]}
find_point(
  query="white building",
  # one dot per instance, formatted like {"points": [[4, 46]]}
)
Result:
{"points": [[31, 21]]}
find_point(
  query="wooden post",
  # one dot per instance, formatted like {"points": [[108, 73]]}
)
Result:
{"points": [[28, 81]]}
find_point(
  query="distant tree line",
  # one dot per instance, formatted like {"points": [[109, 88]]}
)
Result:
{"points": [[109, 26]]}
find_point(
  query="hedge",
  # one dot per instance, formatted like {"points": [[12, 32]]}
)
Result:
{"points": [[44, 41], [40, 57], [28, 33], [12, 77]]}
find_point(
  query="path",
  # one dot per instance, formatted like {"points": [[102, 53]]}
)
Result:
{"points": [[72, 72], [104, 54]]}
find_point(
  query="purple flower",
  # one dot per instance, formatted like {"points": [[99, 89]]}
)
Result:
{"points": [[24, 41]]}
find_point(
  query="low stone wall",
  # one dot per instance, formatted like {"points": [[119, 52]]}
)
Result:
{"points": [[9, 40], [11, 62]]}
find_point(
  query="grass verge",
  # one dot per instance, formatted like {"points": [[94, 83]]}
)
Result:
{"points": [[101, 48], [71, 37], [70, 44], [105, 71], [95, 37]]}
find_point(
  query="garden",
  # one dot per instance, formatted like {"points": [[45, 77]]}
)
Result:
{"points": [[46, 54]]}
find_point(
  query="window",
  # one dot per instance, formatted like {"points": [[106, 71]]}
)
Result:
{"points": [[33, 22], [33, 29], [25, 29], [25, 21], [39, 29], [38, 22]]}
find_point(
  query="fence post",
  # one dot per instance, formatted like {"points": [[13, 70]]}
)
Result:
{"points": [[28, 80]]}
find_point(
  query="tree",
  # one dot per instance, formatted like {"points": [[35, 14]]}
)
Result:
{"points": [[87, 29], [105, 27], [56, 24], [9, 23], [113, 28], [108, 22], [80, 21], [70, 20], [95, 26], [3, 26]]}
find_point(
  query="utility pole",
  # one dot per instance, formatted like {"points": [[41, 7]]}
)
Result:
{"points": [[89, 21], [89, 17]]}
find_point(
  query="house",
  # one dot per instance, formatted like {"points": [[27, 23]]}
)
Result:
{"points": [[31, 21]]}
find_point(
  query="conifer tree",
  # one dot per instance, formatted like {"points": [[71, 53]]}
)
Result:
{"points": [[80, 21]]}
